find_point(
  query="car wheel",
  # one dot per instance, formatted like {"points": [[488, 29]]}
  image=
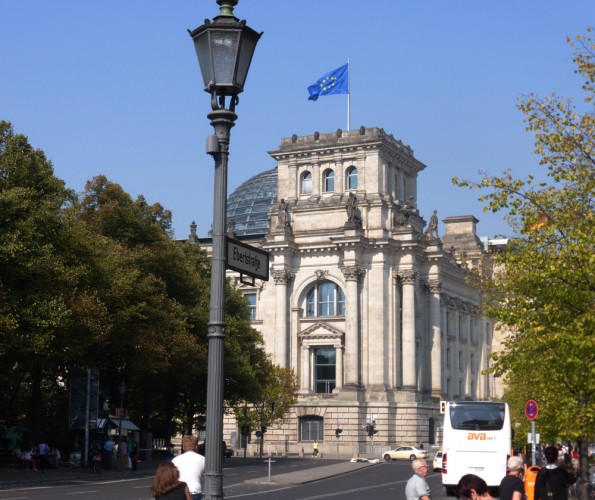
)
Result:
{"points": [[387, 457], [412, 457]]}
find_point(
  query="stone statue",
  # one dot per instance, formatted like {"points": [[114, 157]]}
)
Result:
{"points": [[351, 207], [283, 215], [432, 230]]}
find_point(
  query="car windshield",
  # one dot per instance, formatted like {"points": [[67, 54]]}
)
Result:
{"points": [[477, 416]]}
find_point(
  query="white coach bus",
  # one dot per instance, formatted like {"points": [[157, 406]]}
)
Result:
{"points": [[477, 440]]}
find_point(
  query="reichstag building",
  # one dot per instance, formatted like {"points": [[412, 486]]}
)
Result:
{"points": [[366, 301]]}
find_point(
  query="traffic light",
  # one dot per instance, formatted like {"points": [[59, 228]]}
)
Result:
{"points": [[263, 429], [371, 429], [246, 430], [442, 406], [337, 432]]}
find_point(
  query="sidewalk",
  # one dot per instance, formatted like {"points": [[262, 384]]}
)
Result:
{"points": [[20, 478], [311, 474]]}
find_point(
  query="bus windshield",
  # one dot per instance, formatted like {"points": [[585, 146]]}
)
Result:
{"points": [[477, 416]]}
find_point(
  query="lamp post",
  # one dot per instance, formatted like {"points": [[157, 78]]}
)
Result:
{"points": [[224, 48], [122, 389]]}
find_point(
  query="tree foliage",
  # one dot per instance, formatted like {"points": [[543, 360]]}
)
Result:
{"points": [[97, 281], [543, 287], [271, 400]]}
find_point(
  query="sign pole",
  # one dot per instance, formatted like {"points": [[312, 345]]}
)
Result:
{"points": [[532, 442], [531, 412]]}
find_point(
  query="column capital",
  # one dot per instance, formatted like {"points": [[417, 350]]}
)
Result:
{"points": [[434, 285], [283, 276], [353, 273], [407, 276]]}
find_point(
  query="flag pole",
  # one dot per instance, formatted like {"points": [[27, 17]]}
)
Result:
{"points": [[348, 94]]}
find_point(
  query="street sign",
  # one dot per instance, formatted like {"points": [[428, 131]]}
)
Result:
{"points": [[530, 437], [247, 259], [531, 409]]}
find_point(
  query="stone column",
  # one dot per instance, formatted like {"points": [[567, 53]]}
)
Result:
{"points": [[467, 354], [456, 375], [281, 277], [398, 332], [293, 188], [338, 366], [339, 177], [408, 278], [316, 188], [352, 363], [305, 370], [445, 369], [400, 185], [436, 324]]}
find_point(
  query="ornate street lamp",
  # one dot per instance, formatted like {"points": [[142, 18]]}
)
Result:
{"points": [[224, 48]]}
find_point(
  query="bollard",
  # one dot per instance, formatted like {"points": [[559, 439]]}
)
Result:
{"points": [[302, 453], [530, 476]]}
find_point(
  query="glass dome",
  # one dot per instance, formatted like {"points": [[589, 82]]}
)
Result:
{"points": [[251, 202]]}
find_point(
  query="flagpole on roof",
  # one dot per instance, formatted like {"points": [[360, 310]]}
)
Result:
{"points": [[348, 94]]}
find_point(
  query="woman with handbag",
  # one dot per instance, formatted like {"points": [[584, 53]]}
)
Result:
{"points": [[552, 481]]}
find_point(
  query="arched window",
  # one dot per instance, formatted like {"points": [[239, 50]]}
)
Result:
{"points": [[328, 181], [306, 183], [325, 299], [351, 179]]}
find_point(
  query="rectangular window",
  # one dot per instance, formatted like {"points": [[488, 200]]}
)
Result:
{"points": [[311, 428], [324, 370], [251, 297]]}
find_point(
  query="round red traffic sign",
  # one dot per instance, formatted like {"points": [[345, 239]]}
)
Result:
{"points": [[531, 409]]}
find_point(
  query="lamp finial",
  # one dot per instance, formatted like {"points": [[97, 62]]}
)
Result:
{"points": [[226, 7]]}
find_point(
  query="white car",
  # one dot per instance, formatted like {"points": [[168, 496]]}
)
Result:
{"points": [[405, 453], [437, 462]]}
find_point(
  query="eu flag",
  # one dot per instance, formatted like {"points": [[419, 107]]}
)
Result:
{"points": [[334, 82]]}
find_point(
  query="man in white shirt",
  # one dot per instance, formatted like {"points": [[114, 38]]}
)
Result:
{"points": [[191, 466], [417, 488]]}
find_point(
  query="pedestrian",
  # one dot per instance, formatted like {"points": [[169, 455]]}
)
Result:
{"points": [[167, 483], [552, 481], [191, 466], [123, 453], [129, 454], [575, 458], [472, 487], [108, 452], [315, 448], [417, 488], [512, 486], [134, 455], [43, 450]]}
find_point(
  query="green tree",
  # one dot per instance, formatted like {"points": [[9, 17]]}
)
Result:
{"points": [[270, 405], [543, 287], [45, 302]]}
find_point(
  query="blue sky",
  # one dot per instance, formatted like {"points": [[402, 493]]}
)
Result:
{"points": [[113, 87]]}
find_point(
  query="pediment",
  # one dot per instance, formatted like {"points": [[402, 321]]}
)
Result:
{"points": [[321, 331]]}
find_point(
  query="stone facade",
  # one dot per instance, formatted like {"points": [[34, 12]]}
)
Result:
{"points": [[375, 315]]}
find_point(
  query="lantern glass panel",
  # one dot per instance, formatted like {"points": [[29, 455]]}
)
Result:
{"points": [[224, 46], [245, 58], [203, 52]]}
